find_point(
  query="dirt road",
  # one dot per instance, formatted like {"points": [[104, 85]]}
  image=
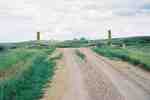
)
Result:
{"points": [[94, 78]]}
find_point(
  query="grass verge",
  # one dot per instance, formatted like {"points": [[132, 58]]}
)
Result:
{"points": [[29, 84], [11, 57], [134, 57]]}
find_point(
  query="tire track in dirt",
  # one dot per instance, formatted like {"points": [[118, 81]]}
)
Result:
{"points": [[67, 83], [134, 73], [82, 82], [90, 79], [57, 87], [129, 89], [76, 85], [98, 84]]}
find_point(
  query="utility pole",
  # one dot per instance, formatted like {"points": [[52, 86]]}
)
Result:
{"points": [[109, 38], [38, 36]]}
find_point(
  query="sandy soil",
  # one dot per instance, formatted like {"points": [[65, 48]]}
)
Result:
{"points": [[59, 85], [127, 87], [95, 78]]}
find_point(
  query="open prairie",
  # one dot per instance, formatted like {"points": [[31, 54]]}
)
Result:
{"points": [[76, 70]]}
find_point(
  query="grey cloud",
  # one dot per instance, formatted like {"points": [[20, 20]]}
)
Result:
{"points": [[73, 16], [93, 6], [126, 12]]}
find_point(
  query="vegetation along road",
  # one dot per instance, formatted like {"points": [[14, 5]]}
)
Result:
{"points": [[93, 77]]}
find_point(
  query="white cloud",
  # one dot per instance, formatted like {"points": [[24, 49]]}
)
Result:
{"points": [[65, 19]]}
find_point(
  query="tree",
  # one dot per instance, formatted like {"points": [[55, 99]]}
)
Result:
{"points": [[83, 40]]}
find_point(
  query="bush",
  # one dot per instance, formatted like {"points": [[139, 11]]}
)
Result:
{"points": [[11, 57], [29, 84], [1, 48]]}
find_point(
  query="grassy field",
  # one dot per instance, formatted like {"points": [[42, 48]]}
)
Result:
{"points": [[136, 52], [26, 67], [30, 77], [76, 43], [7, 59]]}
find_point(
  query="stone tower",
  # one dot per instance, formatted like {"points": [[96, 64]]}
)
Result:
{"points": [[38, 35], [109, 37]]}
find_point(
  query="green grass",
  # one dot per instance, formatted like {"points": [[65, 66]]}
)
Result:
{"points": [[7, 59], [80, 54], [136, 57], [143, 48], [28, 84], [11, 57]]}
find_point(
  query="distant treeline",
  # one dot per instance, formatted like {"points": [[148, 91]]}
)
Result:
{"points": [[132, 40], [82, 42]]}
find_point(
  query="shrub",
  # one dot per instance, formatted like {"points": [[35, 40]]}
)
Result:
{"points": [[1, 48], [11, 57], [29, 84]]}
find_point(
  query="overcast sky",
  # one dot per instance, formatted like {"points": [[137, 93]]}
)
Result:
{"points": [[67, 19]]}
